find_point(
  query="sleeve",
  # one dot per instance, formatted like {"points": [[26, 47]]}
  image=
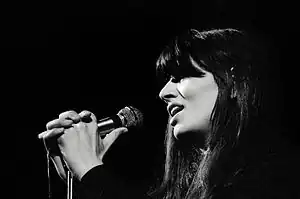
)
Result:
{"points": [[101, 183]]}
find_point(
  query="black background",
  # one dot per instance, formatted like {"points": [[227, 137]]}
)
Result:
{"points": [[101, 57]]}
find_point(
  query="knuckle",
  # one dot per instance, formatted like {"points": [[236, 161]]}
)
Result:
{"points": [[67, 114], [51, 124], [67, 123], [87, 116], [85, 113], [48, 125]]}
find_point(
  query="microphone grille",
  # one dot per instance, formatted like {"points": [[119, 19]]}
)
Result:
{"points": [[133, 116]]}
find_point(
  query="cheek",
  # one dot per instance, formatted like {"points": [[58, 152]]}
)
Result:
{"points": [[192, 121], [199, 99], [197, 118], [198, 111], [185, 88]]}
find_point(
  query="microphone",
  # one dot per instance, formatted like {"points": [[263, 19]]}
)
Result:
{"points": [[127, 117]]}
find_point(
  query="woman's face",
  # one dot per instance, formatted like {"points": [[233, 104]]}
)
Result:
{"points": [[190, 102]]}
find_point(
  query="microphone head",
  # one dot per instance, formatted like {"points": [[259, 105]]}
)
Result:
{"points": [[132, 116]]}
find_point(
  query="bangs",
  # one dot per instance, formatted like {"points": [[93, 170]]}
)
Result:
{"points": [[176, 62]]}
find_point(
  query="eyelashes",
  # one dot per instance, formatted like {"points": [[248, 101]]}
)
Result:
{"points": [[176, 73], [176, 79]]}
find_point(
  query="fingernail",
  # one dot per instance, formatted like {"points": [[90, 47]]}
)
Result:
{"points": [[87, 118], [41, 134], [86, 114]]}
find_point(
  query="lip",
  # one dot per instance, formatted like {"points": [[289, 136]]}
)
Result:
{"points": [[174, 108], [173, 120]]}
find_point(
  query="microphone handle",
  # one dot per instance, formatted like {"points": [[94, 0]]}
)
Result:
{"points": [[106, 125]]}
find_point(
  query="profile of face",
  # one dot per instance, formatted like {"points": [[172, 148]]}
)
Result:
{"points": [[190, 102]]}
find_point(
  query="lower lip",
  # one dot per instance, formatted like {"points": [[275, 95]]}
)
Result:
{"points": [[173, 121]]}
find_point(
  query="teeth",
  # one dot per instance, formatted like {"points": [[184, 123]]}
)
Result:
{"points": [[175, 110]]}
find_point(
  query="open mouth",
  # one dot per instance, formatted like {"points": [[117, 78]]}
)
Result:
{"points": [[176, 110]]}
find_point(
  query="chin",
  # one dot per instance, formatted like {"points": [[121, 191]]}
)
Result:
{"points": [[189, 135], [178, 131]]}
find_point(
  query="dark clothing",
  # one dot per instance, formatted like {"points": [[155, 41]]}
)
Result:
{"points": [[101, 183], [277, 177]]}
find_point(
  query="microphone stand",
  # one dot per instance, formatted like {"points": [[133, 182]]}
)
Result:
{"points": [[69, 185], [69, 180]]}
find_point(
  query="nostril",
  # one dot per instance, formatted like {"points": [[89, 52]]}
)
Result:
{"points": [[169, 95], [166, 97]]}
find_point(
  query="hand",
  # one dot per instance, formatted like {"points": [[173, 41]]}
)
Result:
{"points": [[78, 142]]}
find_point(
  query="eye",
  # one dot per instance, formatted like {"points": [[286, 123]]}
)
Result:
{"points": [[176, 79]]}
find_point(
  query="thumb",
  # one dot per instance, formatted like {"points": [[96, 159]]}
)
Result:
{"points": [[111, 137]]}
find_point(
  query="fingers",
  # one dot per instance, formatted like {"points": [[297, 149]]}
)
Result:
{"points": [[60, 139], [51, 133], [89, 125], [87, 116], [72, 115], [58, 123], [66, 119], [59, 166]]}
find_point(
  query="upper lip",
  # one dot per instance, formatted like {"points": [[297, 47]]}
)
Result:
{"points": [[173, 105]]}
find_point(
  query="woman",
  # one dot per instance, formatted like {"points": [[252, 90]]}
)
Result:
{"points": [[217, 143], [214, 80]]}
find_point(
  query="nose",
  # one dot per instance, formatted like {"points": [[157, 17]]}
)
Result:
{"points": [[168, 91]]}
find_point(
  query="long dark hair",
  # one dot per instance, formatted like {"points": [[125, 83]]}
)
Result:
{"points": [[235, 142]]}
